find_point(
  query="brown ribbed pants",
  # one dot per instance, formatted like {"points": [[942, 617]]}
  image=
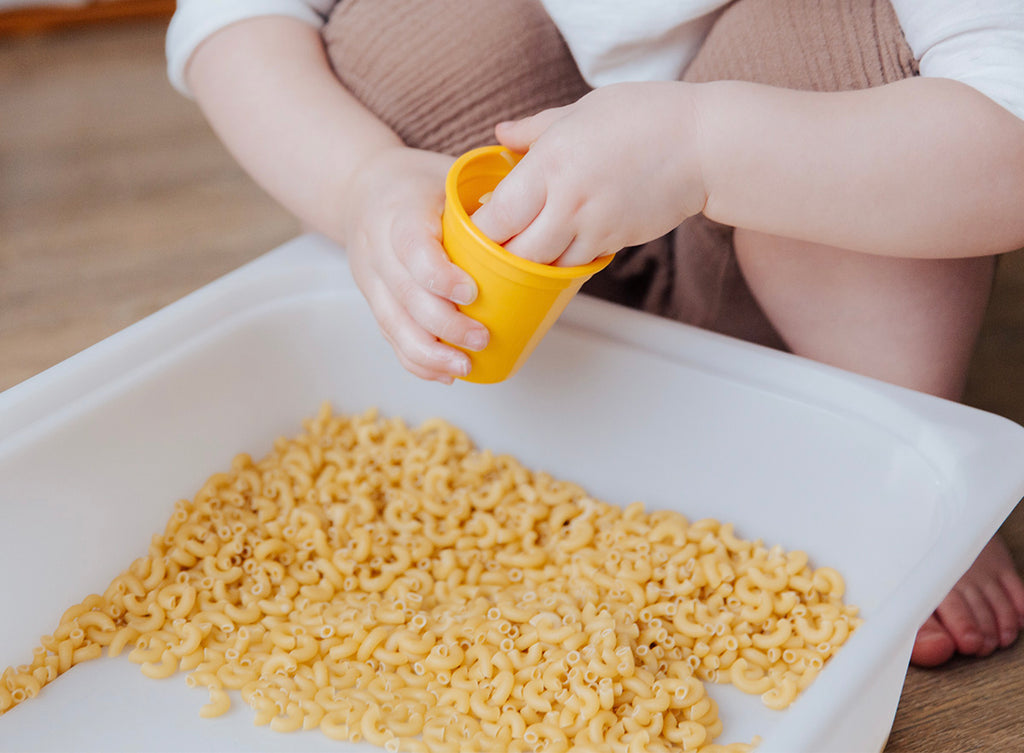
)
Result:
{"points": [[442, 73]]}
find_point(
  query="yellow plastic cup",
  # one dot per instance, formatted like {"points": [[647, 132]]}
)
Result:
{"points": [[517, 300]]}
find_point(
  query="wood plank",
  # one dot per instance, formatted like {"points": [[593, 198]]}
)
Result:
{"points": [[43, 18], [107, 219]]}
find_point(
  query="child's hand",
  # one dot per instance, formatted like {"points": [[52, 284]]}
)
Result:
{"points": [[393, 228], [617, 168]]}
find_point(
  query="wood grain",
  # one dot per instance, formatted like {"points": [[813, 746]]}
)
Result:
{"points": [[47, 17], [116, 199]]}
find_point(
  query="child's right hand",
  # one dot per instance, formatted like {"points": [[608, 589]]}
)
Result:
{"points": [[392, 227]]}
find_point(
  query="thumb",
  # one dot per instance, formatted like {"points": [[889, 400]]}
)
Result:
{"points": [[519, 135]]}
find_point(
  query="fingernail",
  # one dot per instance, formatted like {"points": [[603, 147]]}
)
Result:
{"points": [[476, 339], [461, 366], [463, 293]]}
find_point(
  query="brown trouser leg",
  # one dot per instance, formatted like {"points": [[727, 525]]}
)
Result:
{"points": [[442, 74], [815, 45]]}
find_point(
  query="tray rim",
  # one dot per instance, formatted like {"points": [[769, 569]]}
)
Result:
{"points": [[311, 263]]}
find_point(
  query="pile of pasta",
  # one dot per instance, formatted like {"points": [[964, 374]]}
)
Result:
{"points": [[399, 586]]}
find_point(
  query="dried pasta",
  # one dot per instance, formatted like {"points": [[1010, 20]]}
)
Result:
{"points": [[397, 585]]}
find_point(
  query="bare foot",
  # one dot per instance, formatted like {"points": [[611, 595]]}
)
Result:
{"points": [[983, 612]]}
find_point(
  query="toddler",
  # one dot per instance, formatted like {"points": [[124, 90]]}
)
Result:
{"points": [[832, 177]]}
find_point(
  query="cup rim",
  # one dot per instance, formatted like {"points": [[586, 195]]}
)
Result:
{"points": [[496, 251]]}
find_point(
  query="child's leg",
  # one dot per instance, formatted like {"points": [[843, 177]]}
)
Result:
{"points": [[908, 321], [911, 322]]}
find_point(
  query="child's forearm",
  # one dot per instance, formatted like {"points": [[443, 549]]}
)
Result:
{"points": [[267, 89], [920, 168]]}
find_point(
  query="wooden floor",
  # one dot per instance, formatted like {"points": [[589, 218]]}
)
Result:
{"points": [[116, 199], [49, 16]]}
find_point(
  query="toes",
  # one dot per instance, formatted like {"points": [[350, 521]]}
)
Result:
{"points": [[1014, 588], [957, 615], [984, 619], [933, 645], [983, 612], [1006, 617], [999, 569]]}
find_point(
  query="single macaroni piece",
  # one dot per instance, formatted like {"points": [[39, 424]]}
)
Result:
{"points": [[399, 586]]}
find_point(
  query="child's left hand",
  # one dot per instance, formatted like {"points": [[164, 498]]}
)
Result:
{"points": [[619, 167]]}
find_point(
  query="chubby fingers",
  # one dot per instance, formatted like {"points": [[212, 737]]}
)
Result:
{"points": [[410, 284], [422, 255], [520, 135], [514, 204], [538, 218], [425, 286], [517, 202], [417, 350], [538, 210]]}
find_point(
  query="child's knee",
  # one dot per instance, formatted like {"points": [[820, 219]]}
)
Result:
{"points": [[816, 45], [442, 73]]}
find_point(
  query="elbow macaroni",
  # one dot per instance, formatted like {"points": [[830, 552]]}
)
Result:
{"points": [[396, 585]]}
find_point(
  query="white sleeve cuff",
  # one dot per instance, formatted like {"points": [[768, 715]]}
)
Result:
{"points": [[196, 20]]}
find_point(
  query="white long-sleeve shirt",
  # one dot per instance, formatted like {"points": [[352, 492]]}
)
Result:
{"points": [[977, 42]]}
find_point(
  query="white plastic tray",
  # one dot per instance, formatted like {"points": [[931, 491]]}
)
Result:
{"points": [[897, 490]]}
